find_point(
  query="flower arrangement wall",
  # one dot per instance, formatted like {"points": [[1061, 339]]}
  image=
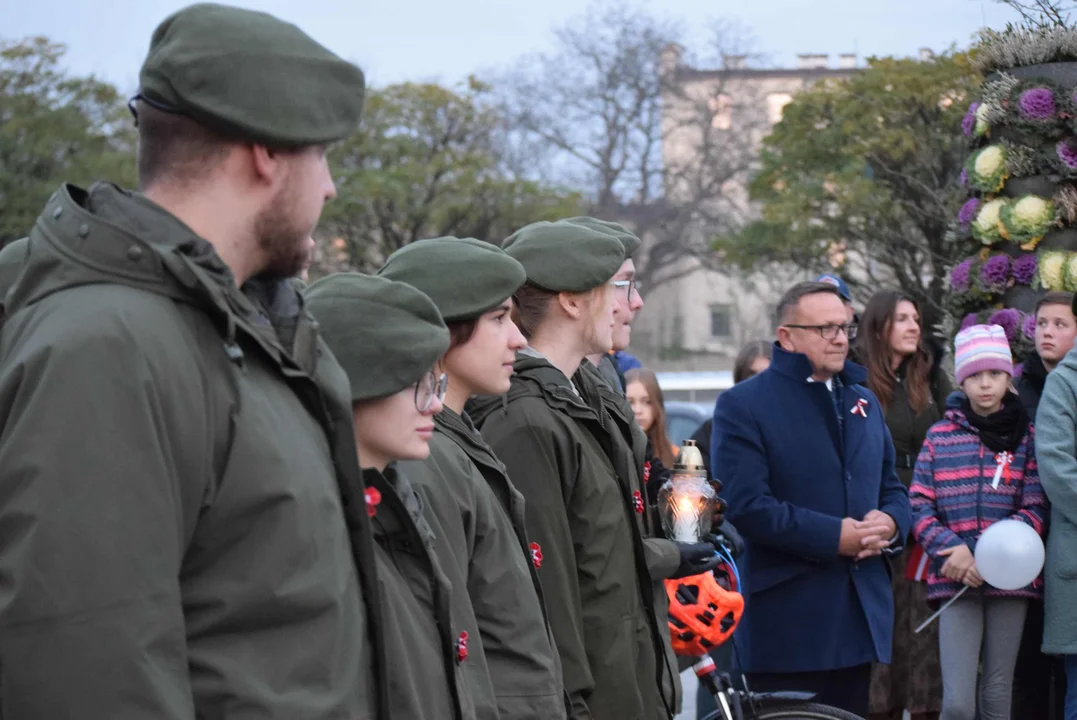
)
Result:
{"points": [[1019, 223]]}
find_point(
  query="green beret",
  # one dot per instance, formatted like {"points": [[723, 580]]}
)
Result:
{"points": [[516, 235], [629, 240], [564, 257], [463, 276], [251, 76], [386, 335]]}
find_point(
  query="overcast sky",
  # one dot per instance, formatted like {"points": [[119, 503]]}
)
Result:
{"points": [[445, 40]]}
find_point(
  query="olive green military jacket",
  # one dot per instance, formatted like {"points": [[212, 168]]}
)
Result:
{"points": [[627, 448], [180, 499], [429, 651], [478, 519], [593, 575]]}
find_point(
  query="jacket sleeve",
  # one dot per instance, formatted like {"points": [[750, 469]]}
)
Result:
{"points": [[535, 461], [1056, 449], [94, 518], [1033, 500], [741, 460], [928, 530], [893, 497]]}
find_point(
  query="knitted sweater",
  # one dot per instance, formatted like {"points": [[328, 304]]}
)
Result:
{"points": [[953, 500]]}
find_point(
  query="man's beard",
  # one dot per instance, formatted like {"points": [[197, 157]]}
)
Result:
{"points": [[283, 244]]}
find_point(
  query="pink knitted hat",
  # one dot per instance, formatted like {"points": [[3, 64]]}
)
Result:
{"points": [[979, 348]]}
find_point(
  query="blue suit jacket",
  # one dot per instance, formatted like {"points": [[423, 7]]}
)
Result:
{"points": [[790, 477]]}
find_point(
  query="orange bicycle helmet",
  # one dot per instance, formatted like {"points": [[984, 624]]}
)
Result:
{"points": [[702, 614]]}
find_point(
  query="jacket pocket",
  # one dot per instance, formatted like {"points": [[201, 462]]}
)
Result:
{"points": [[1061, 560]]}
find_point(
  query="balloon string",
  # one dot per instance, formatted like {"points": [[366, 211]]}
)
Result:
{"points": [[938, 612]]}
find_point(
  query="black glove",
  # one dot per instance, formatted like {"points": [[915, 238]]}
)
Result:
{"points": [[728, 536], [720, 508], [696, 558]]}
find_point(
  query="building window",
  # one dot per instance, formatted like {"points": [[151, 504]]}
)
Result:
{"points": [[722, 107], [721, 321], [776, 103]]}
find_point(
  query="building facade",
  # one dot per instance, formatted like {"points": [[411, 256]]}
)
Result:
{"points": [[700, 319]]}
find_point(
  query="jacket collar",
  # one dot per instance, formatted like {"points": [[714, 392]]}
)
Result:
{"points": [[796, 366]]}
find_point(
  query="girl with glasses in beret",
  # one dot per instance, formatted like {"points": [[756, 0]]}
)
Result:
{"points": [[388, 337]]}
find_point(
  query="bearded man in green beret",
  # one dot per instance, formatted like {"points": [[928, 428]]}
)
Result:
{"points": [[185, 533]]}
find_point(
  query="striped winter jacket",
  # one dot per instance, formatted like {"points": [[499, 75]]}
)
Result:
{"points": [[953, 500]]}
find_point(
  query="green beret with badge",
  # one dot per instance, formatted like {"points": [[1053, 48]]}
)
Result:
{"points": [[564, 257], [627, 238], [463, 276], [385, 334], [250, 76]]}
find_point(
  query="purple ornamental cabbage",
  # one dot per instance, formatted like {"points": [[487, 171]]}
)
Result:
{"points": [[969, 321], [1028, 327], [968, 211], [1024, 269], [968, 123], [1037, 104], [959, 276], [1067, 152], [1009, 320], [995, 272]]}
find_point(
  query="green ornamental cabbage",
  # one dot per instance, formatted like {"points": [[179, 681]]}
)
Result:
{"points": [[1027, 219], [987, 169], [1069, 279], [1052, 264], [985, 227]]}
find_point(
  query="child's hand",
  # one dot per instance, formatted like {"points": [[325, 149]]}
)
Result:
{"points": [[973, 578], [958, 562]]}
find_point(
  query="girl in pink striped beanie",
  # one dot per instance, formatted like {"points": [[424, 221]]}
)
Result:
{"points": [[977, 466], [979, 348]]}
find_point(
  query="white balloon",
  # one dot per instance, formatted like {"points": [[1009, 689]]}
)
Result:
{"points": [[1009, 555]]}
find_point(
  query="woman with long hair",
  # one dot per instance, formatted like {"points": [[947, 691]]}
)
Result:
{"points": [[906, 377], [649, 407], [594, 573]]}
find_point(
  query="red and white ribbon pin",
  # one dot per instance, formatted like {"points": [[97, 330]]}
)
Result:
{"points": [[861, 408], [1004, 460]]}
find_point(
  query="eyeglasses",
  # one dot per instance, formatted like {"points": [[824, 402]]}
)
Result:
{"points": [[829, 332], [429, 387], [631, 286]]}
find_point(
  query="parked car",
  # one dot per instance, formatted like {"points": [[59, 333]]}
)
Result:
{"points": [[684, 418]]}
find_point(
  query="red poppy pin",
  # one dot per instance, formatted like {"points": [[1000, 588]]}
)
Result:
{"points": [[536, 555], [647, 471], [461, 647], [373, 499], [637, 500]]}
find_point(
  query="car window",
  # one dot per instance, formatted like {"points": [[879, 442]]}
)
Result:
{"points": [[681, 427]]}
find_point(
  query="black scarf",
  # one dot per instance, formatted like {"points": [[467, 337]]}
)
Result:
{"points": [[1001, 431]]}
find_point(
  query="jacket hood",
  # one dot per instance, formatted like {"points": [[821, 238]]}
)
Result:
{"points": [[109, 235], [1070, 360], [533, 376]]}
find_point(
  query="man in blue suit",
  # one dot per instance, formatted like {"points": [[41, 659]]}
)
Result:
{"points": [[808, 467]]}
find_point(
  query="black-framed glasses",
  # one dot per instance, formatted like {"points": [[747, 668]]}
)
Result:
{"points": [[829, 332], [630, 286], [429, 387]]}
